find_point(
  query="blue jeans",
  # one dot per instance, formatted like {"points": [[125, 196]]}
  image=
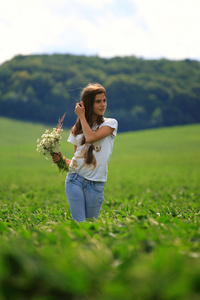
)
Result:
{"points": [[85, 197]]}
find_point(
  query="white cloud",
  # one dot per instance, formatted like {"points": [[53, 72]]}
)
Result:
{"points": [[26, 27], [113, 38], [174, 27], [95, 4], [151, 29]]}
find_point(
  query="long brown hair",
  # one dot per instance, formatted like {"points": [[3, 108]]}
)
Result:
{"points": [[88, 95]]}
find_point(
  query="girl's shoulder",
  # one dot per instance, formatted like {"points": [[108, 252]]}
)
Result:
{"points": [[110, 122]]}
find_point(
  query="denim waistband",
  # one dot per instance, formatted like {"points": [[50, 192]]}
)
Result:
{"points": [[83, 179], [77, 176]]}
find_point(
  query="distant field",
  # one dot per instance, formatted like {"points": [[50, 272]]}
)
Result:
{"points": [[151, 159], [146, 243]]}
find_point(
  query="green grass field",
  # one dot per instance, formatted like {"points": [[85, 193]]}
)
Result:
{"points": [[146, 242]]}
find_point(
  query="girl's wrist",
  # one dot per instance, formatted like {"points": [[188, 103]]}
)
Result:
{"points": [[67, 161], [82, 116]]}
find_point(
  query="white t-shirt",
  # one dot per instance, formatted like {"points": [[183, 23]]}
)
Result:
{"points": [[91, 160]]}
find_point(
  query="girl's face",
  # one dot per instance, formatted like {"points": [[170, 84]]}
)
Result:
{"points": [[100, 104]]}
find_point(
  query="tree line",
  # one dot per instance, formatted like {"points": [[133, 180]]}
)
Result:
{"points": [[141, 93]]}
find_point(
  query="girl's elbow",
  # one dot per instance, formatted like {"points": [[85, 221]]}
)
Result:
{"points": [[90, 141]]}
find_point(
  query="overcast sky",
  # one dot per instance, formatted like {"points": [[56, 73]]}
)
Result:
{"points": [[107, 28]]}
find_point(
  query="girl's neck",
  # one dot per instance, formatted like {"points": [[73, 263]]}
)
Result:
{"points": [[97, 120], [94, 119]]}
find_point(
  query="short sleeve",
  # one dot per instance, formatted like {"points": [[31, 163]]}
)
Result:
{"points": [[111, 123], [72, 139]]}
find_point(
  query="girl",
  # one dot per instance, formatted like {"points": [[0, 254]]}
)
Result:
{"points": [[93, 137]]}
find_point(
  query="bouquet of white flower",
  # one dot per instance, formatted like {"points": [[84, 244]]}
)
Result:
{"points": [[50, 143]]}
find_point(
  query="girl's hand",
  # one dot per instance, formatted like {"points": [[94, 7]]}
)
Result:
{"points": [[56, 157], [80, 109]]}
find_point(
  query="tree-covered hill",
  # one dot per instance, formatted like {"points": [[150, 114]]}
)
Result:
{"points": [[141, 93]]}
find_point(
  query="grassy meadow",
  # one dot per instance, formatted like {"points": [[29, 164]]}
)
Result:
{"points": [[146, 242]]}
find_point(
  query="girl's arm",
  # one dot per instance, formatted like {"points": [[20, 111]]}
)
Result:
{"points": [[91, 136]]}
